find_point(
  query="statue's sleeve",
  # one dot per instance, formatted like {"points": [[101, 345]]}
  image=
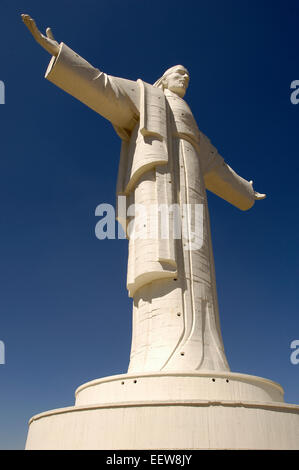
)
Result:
{"points": [[114, 98], [227, 184], [222, 180]]}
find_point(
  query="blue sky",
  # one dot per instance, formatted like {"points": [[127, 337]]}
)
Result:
{"points": [[65, 314]]}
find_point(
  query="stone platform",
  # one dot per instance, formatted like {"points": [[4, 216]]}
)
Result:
{"points": [[176, 410]]}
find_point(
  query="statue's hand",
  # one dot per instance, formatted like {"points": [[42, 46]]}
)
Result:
{"points": [[47, 42], [257, 196]]}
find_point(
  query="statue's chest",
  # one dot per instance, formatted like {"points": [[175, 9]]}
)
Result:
{"points": [[182, 118]]}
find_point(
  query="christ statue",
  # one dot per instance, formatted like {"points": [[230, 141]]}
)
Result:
{"points": [[165, 159]]}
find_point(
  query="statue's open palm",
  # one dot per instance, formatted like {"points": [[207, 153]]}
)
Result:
{"points": [[47, 42]]}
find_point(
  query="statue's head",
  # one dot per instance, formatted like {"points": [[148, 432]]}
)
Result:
{"points": [[176, 79]]}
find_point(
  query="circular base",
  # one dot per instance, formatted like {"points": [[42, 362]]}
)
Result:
{"points": [[208, 385], [171, 411]]}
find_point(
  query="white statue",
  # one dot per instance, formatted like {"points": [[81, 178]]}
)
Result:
{"points": [[165, 159]]}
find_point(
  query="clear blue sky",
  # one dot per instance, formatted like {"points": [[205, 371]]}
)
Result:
{"points": [[65, 314]]}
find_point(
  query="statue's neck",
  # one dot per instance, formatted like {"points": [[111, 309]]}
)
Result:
{"points": [[168, 92]]}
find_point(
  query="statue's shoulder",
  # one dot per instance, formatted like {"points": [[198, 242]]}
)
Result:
{"points": [[150, 93]]}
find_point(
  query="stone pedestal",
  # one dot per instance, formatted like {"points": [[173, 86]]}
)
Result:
{"points": [[206, 410]]}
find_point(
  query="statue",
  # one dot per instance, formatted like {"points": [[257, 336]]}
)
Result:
{"points": [[165, 159], [179, 392]]}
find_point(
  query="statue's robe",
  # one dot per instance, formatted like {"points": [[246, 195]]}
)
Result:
{"points": [[165, 159]]}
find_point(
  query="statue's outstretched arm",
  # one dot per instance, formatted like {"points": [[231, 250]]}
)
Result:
{"points": [[222, 180], [47, 42], [114, 98], [227, 184]]}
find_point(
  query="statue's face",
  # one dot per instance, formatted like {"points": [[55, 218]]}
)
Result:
{"points": [[177, 81]]}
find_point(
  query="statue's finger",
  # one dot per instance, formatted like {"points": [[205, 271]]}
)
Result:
{"points": [[49, 34], [30, 23], [259, 196], [34, 27], [26, 19]]}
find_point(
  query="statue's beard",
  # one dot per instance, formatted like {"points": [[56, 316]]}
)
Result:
{"points": [[179, 89]]}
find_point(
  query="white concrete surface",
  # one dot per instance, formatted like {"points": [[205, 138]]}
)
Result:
{"points": [[179, 412]]}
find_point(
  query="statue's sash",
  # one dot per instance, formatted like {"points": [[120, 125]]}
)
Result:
{"points": [[147, 146]]}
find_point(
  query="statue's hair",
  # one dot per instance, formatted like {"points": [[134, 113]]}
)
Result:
{"points": [[159, 83]]}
